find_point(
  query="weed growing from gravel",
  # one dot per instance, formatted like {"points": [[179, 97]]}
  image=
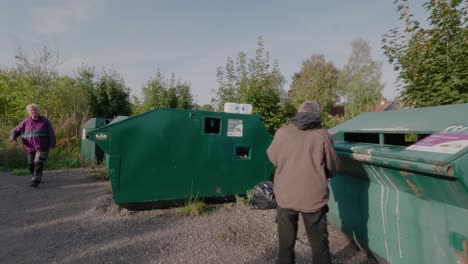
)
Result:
{"points": [[193, 207], [246, 232], [100, 173], [108, 190], [243, 200]]}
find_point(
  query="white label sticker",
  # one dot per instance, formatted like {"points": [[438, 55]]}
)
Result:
{"points": [[235, 128], [450, 141]]}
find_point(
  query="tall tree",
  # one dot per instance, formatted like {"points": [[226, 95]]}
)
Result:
{"points": [[207, 107], [162, 93], [136, 105], [153, 92], [431, 61], [86, 84], [317, 80], [69, 109], [359, 81], [112, 95], [15, 92], [253, 81], [185, 98], [228, 84], [41, 70]]}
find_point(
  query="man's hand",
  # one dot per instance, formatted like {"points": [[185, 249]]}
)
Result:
{"points": [[14, 142]]}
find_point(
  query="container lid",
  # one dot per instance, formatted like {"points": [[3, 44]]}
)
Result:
{"points": [[425, 120], [439, 148]]}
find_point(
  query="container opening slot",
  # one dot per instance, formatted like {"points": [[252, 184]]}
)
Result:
{"points": [[395, 139], [362, 137], [243, 152], [212, 125]]}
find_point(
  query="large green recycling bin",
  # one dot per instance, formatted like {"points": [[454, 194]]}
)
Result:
{"points": [[402, 190], [173, 154], [89, 151]]}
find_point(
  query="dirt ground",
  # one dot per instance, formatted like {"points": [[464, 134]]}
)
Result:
{"points": [[71, 218]]}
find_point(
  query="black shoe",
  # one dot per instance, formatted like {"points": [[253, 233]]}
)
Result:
{"points": [[34, 184]]}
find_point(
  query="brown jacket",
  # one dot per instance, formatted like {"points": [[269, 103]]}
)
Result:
{"points": [[304, 161]]}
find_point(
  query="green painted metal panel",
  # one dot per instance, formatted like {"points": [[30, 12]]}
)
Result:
{"points": [[405, 201], [88, 150], [172, 154], [421, 120]]}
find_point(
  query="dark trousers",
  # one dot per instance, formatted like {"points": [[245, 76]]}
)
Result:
{"points": [[36, 160], [316, 229]]}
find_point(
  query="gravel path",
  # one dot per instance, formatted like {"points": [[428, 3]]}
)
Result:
{"points": [[71, 218]]}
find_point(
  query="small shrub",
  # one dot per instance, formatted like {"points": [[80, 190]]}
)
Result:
{"points": [[193, 207]]}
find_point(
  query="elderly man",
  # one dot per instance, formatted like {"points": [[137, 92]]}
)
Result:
{"points": [[305, 159], [38, 138]]}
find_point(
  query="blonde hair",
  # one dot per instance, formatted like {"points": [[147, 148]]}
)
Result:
{"points": [[32, 106]]}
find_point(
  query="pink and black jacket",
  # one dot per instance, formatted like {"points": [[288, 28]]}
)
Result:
{"points": [[38, 135]]}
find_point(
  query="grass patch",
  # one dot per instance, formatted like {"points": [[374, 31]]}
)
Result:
{"points": [[61, 158], [20, 172], [243, 200], [13, 157], [193, 207]]}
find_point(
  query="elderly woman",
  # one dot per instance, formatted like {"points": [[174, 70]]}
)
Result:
{"points": [[38, 138]]}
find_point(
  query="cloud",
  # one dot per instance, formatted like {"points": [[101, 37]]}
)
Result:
{"points": [[62, 15]]}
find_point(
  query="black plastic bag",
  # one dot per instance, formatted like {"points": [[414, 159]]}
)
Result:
{"points": [[263, 196]]}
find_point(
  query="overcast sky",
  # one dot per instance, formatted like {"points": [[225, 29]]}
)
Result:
{"points": [[193, 38]]}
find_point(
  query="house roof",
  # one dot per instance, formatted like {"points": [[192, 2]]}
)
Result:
{"points": [[337, 110]]}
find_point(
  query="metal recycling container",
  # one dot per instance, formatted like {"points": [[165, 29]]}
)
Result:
{"points": [[174, 154], [402, 190], [89, 151]]}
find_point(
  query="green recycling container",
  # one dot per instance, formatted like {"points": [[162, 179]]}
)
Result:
{"points": [[89, 151], [174, 154], [401, 190]]}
